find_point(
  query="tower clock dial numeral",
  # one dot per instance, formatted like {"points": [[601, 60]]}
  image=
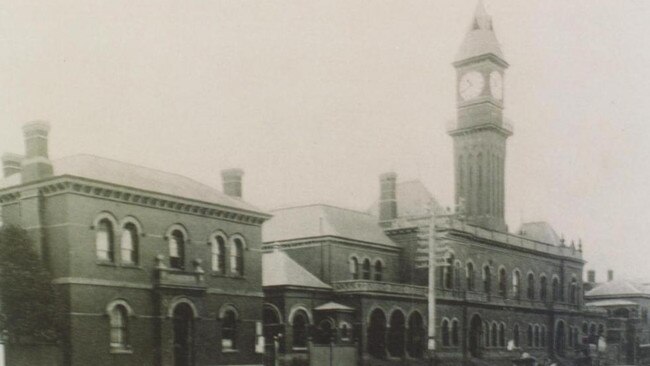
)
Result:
{"points": [[496, 85], [471, 85]]}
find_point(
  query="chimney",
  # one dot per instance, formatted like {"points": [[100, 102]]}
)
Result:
{"points": [[11, 164], [610, 275], [231, 179], [36, 164], [591, 276], [387, 197]]}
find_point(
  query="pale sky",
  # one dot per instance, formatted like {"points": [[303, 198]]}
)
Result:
{"points": [[315, 99]]}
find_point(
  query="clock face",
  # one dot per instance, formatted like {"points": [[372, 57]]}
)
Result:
{"points": [[496, 85], [471, 85]]}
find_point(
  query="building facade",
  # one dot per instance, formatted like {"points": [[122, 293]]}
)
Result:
{"points": [[154, 268], [499, 294]]}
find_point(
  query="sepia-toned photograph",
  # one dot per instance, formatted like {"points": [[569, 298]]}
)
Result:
{"points": [[324, 183]]}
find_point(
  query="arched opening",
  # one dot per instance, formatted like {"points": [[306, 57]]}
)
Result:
{"points": [[516, 284], [129, 244], [396, 334], [560, 338], [119, 327], [487, 280], [555, 289], [475, 335], [469, 273], [515, 335], [415, 337], [104, 241], [218, 251], [177, 250], [229, 330], [272, 326], [542, 288], [531, 286], [300, 322], [573, 294], [183, 319], [354, 268], [326, 330], [237, 257], [378, 270], [494, 336], [455, 333], [444, 330], [366, 269], [377, 334], [529, 336], [502, 335]]}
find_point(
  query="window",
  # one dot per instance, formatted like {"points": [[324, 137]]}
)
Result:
{"points": [[502, 335], [457, 278], [573, 292], [529, 335], [119, 326], [531, 287], [503, 282], [601, 329], [515, 335], [344, 329], [366, 269], [536, 335], [542, 288], [542, 338], [104, 240], [455, 338], [299, 328], [445, 333], [129, 243], [469, 274], [448, 272], [487, 279], [354, 268], [218, 248], [494, 336], [516, 285], [555, 288], [378, 270], [229, 330], [237, 257], [177, 250]]}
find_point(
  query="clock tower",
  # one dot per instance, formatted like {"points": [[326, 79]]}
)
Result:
{"points": [[480, 132]]}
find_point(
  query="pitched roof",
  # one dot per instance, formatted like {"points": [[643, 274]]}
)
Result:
{"points": [[134, 176], [323, 220], [480, 38], [278, 269], [620, 288], [540, 231], [413, 199], [612, 302]]}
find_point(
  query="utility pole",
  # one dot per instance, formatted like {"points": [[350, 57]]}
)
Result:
{"points": [[431, 295]]}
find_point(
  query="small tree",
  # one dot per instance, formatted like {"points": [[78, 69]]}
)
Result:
{"points": [[27, 295]]}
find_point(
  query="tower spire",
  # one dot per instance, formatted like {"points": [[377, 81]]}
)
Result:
{"points": [[480, 38]]}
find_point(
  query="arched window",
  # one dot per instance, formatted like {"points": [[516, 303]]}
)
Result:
{"points": [[573, 292], [366, 269], [529, 335], [229, 330], [503, 282], [415, 337], [601, 329], [457, 278], [536, 335], [345, 329], [354, 268], [455, 333], [177, 249], [494, 336], [445, 333], [555, 288], [299, 327], [542, 338], [487, 279], [531, 286], [376, 334], [469, 275], [542, 288], [378, 270], [486, 333], [237, 257], [326, 331], [448, 273], [129, 243], [218, 250], [585, 328], [119, 326], [104, 240], [396, 334], [502, 335], [515, 335], [516, 284]]}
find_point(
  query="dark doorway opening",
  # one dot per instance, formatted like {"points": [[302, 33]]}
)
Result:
{"points": [[475, 336], [183, 335]]}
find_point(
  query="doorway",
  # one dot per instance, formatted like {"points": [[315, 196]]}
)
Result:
{"points": [[183, 335]]}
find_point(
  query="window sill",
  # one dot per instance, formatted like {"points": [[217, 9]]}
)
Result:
{"points": [[299, 349], [121, 351], [106, 263], [131, 266], [229, 351]]}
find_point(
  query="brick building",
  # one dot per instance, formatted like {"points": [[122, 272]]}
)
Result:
{"points": [[155, 268], [498, 294]]}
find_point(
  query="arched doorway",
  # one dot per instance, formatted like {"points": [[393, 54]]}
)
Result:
{"points": [[396, 334], [415, 338], [377, 334], [475, 336], [183, 319], [560, 338]]}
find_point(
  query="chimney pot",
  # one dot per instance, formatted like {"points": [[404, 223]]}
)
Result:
{"points": [[232, 182], [591, 276], [11, 164], [388, 196], [36, 164], [610, 275]]}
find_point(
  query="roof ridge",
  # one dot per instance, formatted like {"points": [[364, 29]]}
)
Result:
{"points": [[321, 205]]}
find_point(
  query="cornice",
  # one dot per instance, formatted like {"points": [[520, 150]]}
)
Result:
{"points": [[311, 241], [67, 184]]}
